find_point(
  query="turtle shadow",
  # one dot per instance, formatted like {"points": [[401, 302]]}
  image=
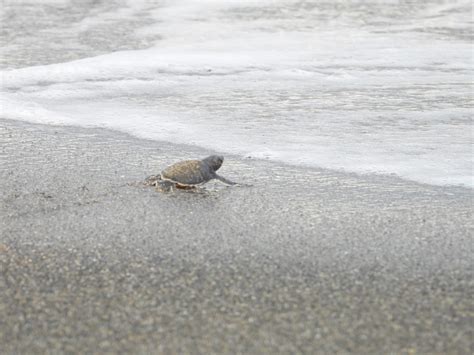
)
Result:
{"points": [[180, 190]]}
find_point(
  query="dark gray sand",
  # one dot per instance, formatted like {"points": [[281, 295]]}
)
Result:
{"points": [[304, 261]]}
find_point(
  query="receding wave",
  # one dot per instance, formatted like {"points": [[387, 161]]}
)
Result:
{"points": [[379, 89]]}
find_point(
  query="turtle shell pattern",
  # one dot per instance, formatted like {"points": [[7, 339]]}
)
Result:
{"points": [[188, 172]]}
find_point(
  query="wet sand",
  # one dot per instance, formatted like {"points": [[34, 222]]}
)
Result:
{"points": [[303, 261]]}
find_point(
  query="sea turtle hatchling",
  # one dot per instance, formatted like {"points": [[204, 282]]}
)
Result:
{"points": [[188, 174]]}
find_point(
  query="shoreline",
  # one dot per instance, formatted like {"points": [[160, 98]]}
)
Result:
{"points": [[199, 152], [304, 259]]}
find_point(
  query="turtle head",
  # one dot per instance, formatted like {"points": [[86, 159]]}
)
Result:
{"points": [[214, 161]]}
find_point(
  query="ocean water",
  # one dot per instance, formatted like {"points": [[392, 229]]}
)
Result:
{"points": [[381, 87]]}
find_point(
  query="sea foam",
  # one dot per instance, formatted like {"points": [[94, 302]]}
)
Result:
{"points": [[312, 85]]}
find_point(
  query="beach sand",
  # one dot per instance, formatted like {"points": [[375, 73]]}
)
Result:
{"points": [[303, 261]]}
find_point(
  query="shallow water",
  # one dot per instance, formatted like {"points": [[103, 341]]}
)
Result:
{"points": [[378, 86]]}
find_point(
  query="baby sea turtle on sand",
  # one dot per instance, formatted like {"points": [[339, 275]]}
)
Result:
{"points": [[188, 174]]}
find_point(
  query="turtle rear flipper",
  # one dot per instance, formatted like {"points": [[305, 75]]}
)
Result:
{"points": [[152, 180], [164, 185]]}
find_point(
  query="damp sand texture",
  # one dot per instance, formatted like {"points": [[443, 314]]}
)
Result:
{"points": [[304, 261]]}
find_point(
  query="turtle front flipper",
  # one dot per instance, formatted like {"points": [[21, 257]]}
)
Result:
{"points": [[224, 180]]}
